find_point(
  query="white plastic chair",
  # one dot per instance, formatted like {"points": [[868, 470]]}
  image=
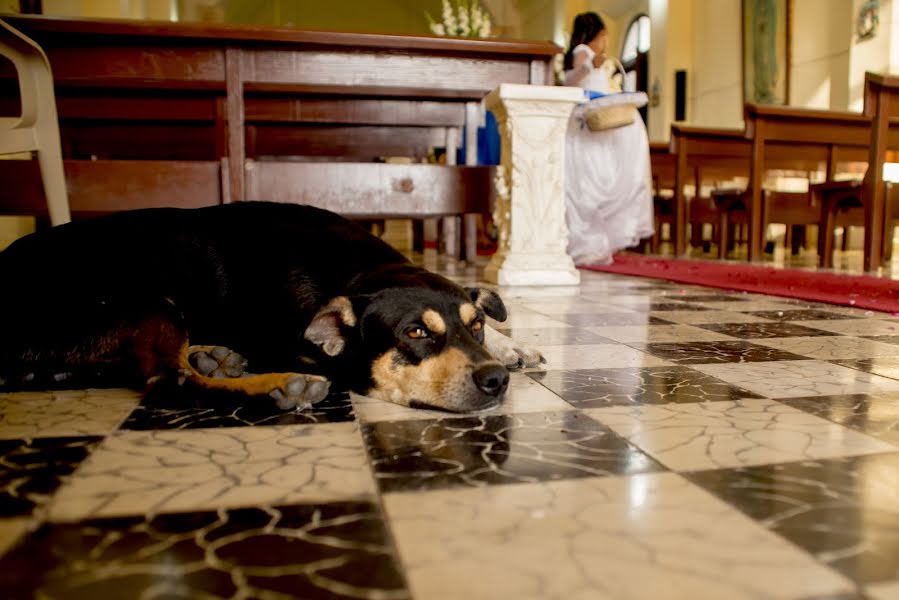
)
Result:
{"points": [[37, 129]]}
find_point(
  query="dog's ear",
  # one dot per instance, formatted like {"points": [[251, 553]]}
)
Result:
{"points": [[489, 302], [325, 329]]}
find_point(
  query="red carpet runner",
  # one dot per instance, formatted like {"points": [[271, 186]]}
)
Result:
{"points": [[860, 291]]}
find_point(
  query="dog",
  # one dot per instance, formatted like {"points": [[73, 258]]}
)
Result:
{"points": [[256, 298]]}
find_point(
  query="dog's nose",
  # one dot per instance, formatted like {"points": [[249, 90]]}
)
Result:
{"points": [[491, 379]]}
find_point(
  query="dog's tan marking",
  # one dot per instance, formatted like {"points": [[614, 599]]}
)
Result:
{"points": [[436, 381], [468, 313], [433, 321]]}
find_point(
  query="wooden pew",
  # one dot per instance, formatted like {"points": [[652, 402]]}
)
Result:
{"points": [[197, 92], [829, 135], [881, 105]]}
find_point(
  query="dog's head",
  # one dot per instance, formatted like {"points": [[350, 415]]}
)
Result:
{"points": [[414, 338]]}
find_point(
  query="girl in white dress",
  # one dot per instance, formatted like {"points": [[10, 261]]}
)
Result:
{"points": [[608, 191]]}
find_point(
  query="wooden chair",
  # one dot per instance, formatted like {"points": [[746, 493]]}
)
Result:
{"points": [[37, 128]]}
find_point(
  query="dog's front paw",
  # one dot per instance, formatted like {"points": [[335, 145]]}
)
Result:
{"points": [[300, 391], [509, 352], [528, 356]]}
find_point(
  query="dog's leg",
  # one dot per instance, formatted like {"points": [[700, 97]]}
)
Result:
{"points": [[513, 355]]}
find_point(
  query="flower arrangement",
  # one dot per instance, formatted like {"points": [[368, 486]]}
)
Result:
{"points": [[465, 19]]}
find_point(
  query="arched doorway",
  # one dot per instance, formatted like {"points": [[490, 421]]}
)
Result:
{"points": [[635, 57]]}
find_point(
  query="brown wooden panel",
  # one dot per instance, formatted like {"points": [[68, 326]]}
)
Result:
{"points": [[41, 27], [374, 190], [105, 186], [121, 65], [151, 107], [354, 111], [475, 75], [137, 140], [363, 142]]}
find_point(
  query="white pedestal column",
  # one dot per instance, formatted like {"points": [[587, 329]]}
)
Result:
{"points": [[530, 185]]}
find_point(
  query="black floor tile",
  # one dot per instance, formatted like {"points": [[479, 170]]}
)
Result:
{"points": [[596, 388], [874, 414], [31, 470], [164, 411], [748, 331], [496, 449], [799, 315], [844, 511], [338, 550], [696, 353]]}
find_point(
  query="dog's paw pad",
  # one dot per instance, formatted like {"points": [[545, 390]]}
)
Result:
{"points": [[301, 392], [217, 362]]}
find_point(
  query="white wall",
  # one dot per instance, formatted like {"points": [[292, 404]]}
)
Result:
{"points": [[819, 63], [716, 89]]}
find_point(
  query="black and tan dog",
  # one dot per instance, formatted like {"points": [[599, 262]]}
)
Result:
{"points": [[206, 296]]}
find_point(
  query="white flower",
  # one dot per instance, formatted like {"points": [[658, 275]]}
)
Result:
{"points": [[437, 29], [476, 19], [449, 19], [462, 11]]}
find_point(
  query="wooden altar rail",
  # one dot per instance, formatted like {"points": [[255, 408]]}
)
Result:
{"points": [[196, 92]]}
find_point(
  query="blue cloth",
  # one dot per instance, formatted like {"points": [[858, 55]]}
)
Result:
{"points": [[591, 95], [489, 144]]}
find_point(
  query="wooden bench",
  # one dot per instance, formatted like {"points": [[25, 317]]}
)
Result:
{"points": [[190, 92], [881, 105]]}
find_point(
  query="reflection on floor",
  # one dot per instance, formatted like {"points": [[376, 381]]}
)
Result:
{"points": [[681, 442]]}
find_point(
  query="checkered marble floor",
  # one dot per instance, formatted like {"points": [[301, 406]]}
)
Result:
{"points": [[681, 442]]}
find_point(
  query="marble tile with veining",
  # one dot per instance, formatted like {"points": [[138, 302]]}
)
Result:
{"points": [[597, 356], [560, 336], [566, 306], [884, 339], [750, 305], [797, 379], [629, 334], [31, 470], [697, 353], [136, 472], [524, 395], [497, 449], [844, 511], [641, 537], [885, 366], [710, 435], [876, 415], [794, 314], [749, 331], [175, 412], [605, 319], [64, 413], [527, 320], [701, 317], [336, 550], [830, 347], [857, 327], [596, 388]]}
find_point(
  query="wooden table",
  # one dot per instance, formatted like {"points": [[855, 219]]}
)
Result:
{"points": [[881, 104], [214, 93]]}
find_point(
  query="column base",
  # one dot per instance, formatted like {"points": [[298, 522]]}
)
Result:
{"points": [[532, 270]]}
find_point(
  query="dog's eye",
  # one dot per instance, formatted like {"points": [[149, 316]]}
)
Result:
{"points": [[477, 326], [416, 333]]}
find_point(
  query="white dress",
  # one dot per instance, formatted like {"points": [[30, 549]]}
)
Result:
{"points": [[608, 189]]}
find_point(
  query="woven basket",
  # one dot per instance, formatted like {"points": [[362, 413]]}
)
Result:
{"points": [[603, 118]]}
